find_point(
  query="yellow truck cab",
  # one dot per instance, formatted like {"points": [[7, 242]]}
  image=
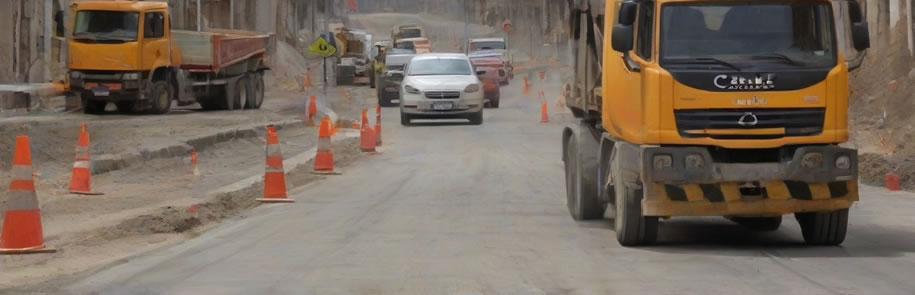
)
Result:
{"points": [[126, 52], [713, 108]]}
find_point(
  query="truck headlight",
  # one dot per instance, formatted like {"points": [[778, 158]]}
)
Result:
{"points": [[410, 89], [843, 162], [75, 75], [812, 160], [472, 88], [130, 76], [662, 161], [694, 161]]}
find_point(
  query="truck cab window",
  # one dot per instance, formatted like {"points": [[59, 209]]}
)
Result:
{"points": [[645, 30], [154, 26]]}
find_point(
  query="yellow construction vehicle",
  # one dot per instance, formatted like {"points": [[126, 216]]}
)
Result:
{"points": [[713, 108], [125, 52]]}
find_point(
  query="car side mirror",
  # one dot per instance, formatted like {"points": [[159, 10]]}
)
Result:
{"points": [[622, 39], [481, 72]]}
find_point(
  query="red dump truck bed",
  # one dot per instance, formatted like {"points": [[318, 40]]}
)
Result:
{"points": [[217, 49]]}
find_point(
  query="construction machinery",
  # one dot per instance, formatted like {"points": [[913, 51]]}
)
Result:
{"points": [[712, 108], [125, 52], [354, 63]]}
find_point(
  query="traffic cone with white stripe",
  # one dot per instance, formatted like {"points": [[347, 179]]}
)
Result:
{"points": [[377, 125], [324, 159], [367, 135], [22, 233], [275, 174], [80, 181], [194, 171]]}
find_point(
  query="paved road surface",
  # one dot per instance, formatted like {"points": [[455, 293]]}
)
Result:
{"points": [[461, 209]]}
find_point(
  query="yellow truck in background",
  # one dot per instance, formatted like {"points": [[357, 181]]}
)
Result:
{"points": [[125, 52], [713, 108]]}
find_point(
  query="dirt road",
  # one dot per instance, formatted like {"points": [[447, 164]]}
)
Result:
{"points": [[461, 209]]}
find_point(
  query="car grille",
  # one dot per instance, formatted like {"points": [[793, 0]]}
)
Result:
{"points": [[727, 123], [443, 94]]}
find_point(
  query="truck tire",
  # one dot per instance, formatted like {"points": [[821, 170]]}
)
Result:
{"points": [[240, 99], [225, 96], [823, 228], [633, 229], [760, 224], [92, 107], [581, 189], [160, 97], [255, 91]]}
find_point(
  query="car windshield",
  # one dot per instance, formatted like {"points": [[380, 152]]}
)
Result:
{"points": [[793, 34], [489, 45], [440, 66], [101, 25], [395, 67]]}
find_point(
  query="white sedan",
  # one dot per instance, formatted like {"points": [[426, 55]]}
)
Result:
{"points": [[441, 86]]}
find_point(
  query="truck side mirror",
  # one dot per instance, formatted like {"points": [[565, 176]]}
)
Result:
{"points": [[860, 36], [622, 39], [627, 13]]}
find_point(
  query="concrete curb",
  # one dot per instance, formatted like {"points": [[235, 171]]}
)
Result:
{"points": [[108, 163]]}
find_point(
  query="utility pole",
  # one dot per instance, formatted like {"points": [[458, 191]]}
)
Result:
{"points": [[232, 14]]}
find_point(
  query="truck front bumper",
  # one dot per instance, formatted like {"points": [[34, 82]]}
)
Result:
{"points": [[687, 181]]}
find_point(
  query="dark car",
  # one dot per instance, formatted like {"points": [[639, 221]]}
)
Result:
{"points": [[390, 77]]}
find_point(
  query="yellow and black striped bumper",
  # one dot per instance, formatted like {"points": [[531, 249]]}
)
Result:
{"points": [[725, 199]]}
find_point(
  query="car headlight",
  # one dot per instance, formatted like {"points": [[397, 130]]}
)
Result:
{"points": [[410, 89], [131, 76], [472, 88]]}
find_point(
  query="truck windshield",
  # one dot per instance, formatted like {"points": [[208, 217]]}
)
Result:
{"points": [[98, 25], [487, 45], [740, 34], [411, 33]]}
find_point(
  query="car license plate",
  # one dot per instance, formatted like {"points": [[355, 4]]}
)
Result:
{"points": [[100, 91], [442, 106]]}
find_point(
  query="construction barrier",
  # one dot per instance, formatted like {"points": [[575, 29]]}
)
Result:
{"points": [[22, 233], [274, 175]]}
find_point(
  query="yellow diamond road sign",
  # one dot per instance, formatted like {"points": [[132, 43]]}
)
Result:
{"points": [[322, 47]]}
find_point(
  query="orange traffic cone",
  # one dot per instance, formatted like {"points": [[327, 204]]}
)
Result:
{"points": [[377, 125], [274, 175], [194, 171], [544, 115], [312, 108], [80, 179], [324, 159], [21, 233], [367, 135], [527, 86]]}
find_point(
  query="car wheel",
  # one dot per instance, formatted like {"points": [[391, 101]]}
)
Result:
{"points": [[477, 118], [404, 119]]}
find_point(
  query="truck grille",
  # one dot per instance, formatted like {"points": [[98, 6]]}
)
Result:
{"points": [[750, 123], [443, 94]]}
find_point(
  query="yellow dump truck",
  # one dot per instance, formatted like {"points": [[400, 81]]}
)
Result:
{"points": [[125, 52], [713, 108]]}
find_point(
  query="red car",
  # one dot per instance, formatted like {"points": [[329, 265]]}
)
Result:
{"points": [[493, 74]]}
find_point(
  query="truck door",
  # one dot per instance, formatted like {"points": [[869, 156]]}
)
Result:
{"points": [[631, 106], [155, 51]]}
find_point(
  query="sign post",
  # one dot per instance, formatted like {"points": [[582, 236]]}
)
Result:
{"points": [[325, 50]]}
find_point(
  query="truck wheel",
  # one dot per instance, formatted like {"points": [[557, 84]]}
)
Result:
{"points": [[224, 97], [126, 106], [823, 228], [632, 229], [241, 93], [160, 97], [91, 106], [761, 224], [581, 191], [255, 91]]}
